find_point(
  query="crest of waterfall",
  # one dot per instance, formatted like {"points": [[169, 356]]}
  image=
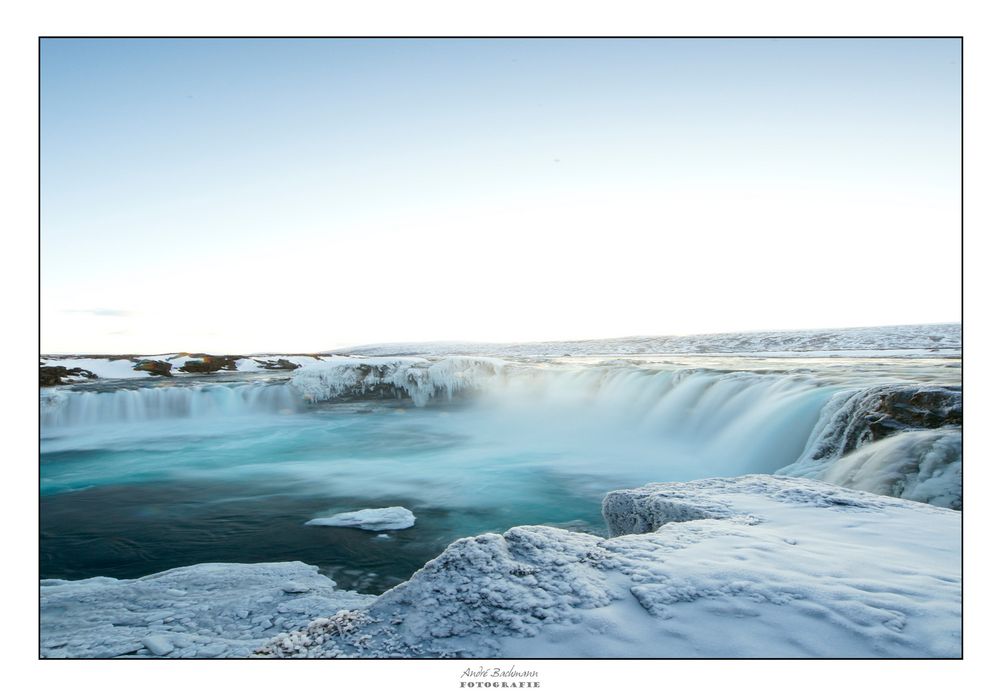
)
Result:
{"points": [[901, 439], [71, 408]]}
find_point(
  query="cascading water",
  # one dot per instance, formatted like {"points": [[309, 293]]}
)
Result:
{"points": [[495, 444], [896, 440], [917, 465], [78, 407]]}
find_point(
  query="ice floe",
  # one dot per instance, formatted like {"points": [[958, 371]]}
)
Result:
{"points": [[391, 518]]}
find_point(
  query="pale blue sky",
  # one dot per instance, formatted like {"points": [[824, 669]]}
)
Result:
{"points": [[256, 195]]}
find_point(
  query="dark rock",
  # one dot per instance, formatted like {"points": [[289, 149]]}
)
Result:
{"points": [[51, 375], [276, 364], [153, 367], [372, 383], [876, 413], [205, 363], [904, 409]]}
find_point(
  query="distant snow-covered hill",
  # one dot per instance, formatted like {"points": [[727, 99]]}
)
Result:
{"points": [[903, 340]]}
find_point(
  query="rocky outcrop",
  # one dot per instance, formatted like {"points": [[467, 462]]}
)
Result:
{"points": [[904, 409], [276, 364], [153, 367], [52, 375], [876, 413], [895, 440], [205, 363], [339, 379], [646, 509]]}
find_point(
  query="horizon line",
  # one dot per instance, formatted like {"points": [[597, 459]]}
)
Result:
{"points": [[510, 342]]}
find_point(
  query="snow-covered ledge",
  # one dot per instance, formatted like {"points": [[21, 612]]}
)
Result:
{"points": [[751, 566], [205, 610]]}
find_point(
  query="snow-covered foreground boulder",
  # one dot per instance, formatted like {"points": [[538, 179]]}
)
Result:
{"points": [[752, 566], [392, 518], [201, 610]]}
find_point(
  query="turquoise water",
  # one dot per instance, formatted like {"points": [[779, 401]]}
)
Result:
{"points": [[174, 492], [141, 477]]}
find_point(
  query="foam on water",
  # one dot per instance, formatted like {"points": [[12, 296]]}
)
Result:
{"points": [[64, 408], [495, 444]]}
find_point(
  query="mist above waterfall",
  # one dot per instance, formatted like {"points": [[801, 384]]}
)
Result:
{"points": [[185, 468], [650, 419]]}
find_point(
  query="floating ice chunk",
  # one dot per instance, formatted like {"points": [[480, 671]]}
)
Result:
{"points": [[392, 518]]}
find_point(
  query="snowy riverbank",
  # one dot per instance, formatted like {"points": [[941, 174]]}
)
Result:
{"points": [[905, 341], [748, 566]]}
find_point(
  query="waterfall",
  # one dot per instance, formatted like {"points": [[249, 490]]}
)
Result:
{"points": [[897, 440], [903, 439], [73, 407]]}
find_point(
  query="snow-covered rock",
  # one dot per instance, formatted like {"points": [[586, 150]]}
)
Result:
{"points": [[854, 418], [102, 367], [158, 644], [751, 566], [174, 364], [420, 379], [896, 440], [52, 375], [391, 518], [202, 610]]}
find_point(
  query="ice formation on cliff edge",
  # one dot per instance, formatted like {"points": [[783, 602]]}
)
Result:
{"points": [[417, 378], [895, 440]]}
